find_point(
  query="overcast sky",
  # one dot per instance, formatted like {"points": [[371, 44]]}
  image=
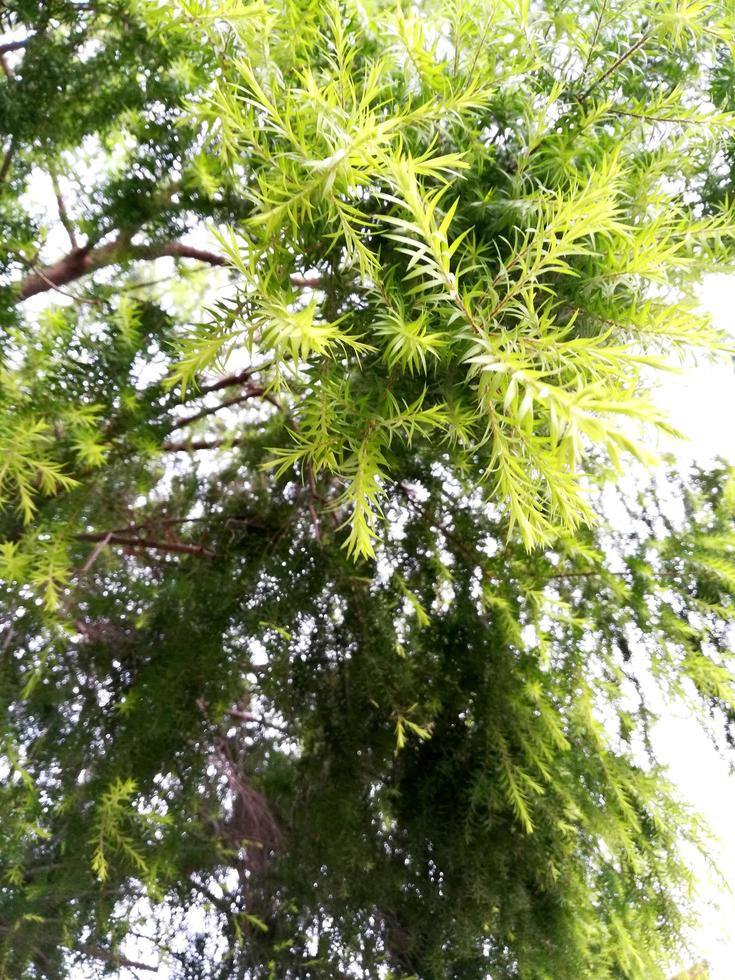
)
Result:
{"points": [[701, 403]]}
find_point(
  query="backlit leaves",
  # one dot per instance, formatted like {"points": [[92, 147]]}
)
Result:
{"points": [[368, 170]]}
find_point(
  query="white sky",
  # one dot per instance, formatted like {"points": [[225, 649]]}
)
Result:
{"points": [[701, 403]]}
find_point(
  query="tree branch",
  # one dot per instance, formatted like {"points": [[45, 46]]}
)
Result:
{"points": [[7, 159], [83, 261], [14, 45], [229, 381], [95, 554], [63, 213], [593, 42], [108, 956], [190, 446], [616, 64], [130, 542], [253, 391], [179, 250]]}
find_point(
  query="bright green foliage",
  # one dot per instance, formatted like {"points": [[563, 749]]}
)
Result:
{"points": [[483, 228], [320, 652]]}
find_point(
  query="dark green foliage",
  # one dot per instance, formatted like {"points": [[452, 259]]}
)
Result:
{"points": [[437, 792]]}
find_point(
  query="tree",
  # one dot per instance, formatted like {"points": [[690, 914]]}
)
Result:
{"points": [[317, 649]]}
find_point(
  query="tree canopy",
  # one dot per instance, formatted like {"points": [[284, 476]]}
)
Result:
{"points": [[333, 618]]}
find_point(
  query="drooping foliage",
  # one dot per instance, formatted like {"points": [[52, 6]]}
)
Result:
{"points": [[327, 648]]}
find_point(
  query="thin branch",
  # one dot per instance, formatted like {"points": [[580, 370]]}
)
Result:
{"points": [[7, 159], [177, 250], [480, 46], [98, 548], [7, 639], [117, 959], [198, 444], [586, 574], [306, 282], [63, 213], [235, 379], [254, 391], [593, 42], [177, 547], [615, 65], [229, 381], [219, 903], [157, 522], [311, 496], [681, 120]]}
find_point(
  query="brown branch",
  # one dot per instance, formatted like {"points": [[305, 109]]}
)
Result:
{"points": [[616, 64], [306, 282], [195, 445], [129, 542], [63, 292], [77, 263], [14, 45], [96, 551], [593, 42], [8, 159], [242, 715], [311, 496], [222, 904], [108, 956], [178, 250], [82, 261], [63, 213], [245, 716], [229, 381], [254, 391]]}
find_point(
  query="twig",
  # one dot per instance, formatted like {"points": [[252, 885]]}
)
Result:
{"points": [[7, 639], [177, 547], [657, 119], [227, 382], [616, 64], [593, 42], [95, 554], [586, 574], [312, 494], [198, 444], [246, 716], [7, 159], [306, 282], [252, 392], [155, 522], [117, 959], [63, 213]]}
